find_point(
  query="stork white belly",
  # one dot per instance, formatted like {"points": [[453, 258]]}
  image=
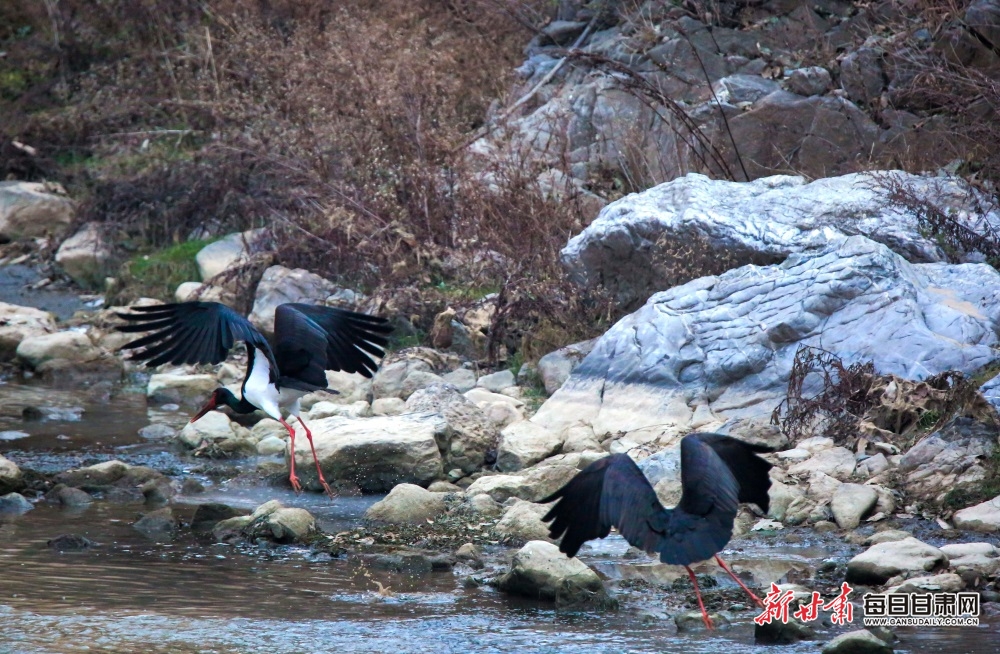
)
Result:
{"points": [[258, 389], [288, 399]]}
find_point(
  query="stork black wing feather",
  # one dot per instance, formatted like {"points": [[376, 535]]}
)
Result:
{"points": [[752, 472], [310, 339], [189, 332]]}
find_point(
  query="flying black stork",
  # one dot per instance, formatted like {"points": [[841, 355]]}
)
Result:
{"points": [[717, 474], [308, 341]]}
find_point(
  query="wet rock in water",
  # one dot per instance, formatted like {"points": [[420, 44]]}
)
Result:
{"points": [[525, 443], [14, 504], [851, 503], [388, 406], [192, 487], [522, 522], [980, 558], [777, 633], [11, 478], [86, 256], [692, 621], [159, 525], [207, 515], [948, 582], [157, 491], [174, 388], [157, 432], [539, 570], [881, 562], [71, 346], [887, 536], [68, 496], [231, 529], [983, 517], [18, 323], [861, 641], [95, 476], [217, 436], [473, 435], [376, 453], [410, 562], [407, 504], [274, 521], [468, 552], [497, 381], [71, 543]]}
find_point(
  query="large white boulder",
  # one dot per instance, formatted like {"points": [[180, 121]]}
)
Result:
{"points": [[86, 256], [881, 562], [721, 348], [18, 323], [407, 504], [280, 285], [229, 251]]}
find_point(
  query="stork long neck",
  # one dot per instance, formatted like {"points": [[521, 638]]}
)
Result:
{"points": [[238, 405]]}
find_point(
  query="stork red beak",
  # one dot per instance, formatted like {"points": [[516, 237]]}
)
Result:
{"points": [[211, 404]]}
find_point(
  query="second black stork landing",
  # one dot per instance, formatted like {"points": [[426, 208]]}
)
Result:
{"points": [[308, 341], [717, 474]]}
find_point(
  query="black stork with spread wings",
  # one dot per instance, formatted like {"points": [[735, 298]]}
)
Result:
{"points": [[308, 341], [717, 474]]}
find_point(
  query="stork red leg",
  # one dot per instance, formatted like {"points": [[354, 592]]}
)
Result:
{"points": [[291, 459], [319, 471], [704, 614], [739, 581]]}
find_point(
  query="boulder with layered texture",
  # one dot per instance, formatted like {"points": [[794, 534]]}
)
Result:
{"points": [[721, 348]]}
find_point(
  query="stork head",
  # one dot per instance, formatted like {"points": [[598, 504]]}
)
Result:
{"points": [[220, 397]]}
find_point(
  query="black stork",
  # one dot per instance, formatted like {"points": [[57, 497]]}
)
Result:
{"points": [[717, 474], [308, 341]]}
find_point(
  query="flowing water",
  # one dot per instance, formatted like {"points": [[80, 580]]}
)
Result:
{"points": [[128, 594]]}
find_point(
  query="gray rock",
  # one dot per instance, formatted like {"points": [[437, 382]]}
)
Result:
{"points": [[99, 474], [981, 558], [500, 488], [888, 536], [523, 444], [375, 453], [159, 525], [30, 209], [983, 517], [778, 633], [463, 379], [71, 543], [539, 570], [736, 89], [157, 432], [68, 496], [388, 406], [359, 409], [472, 435], [497, 381], [881, 562], [692, 621], [984, 17], [229, 251], [279, 285], [723, 346], [11, 478], [199, 292], [861, 641], [402, 378], [231, 529], [207, 515], [86, 256], [174, 388], [407, 504], [555, 367], [275, 522], [861, 75], [217, 435], [851, 503], [70, 346], [947, 582], [522, 522], [271, 445], [812, 80], [948, 460], [14, 504], [18, 323], [771, 217]]}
